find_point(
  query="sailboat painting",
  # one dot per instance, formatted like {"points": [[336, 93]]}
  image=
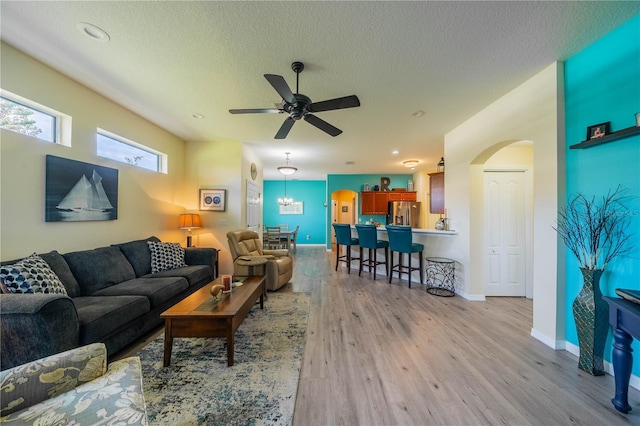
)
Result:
{"points": [[77, 191]]}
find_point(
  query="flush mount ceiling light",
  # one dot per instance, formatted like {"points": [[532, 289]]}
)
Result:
{"points": [[288, 169], [93, 31], [410, 163]]}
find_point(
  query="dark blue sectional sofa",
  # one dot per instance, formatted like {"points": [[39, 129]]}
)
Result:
{"points": [[112, 297]]}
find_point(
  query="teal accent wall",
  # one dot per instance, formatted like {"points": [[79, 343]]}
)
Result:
{"points": [[313, 220], [602, 83], [356, 183]]}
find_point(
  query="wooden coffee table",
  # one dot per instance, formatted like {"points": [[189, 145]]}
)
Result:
{"points": [[200, 316]]}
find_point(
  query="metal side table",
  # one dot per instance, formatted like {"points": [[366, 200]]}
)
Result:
{"points": [[441, 276]]}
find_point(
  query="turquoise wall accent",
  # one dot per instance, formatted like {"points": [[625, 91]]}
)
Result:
{"points": [[313, 220], [602, 83], [356, 183]]}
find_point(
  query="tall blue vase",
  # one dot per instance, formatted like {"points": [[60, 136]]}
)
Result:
{"points": [[591, 315]]}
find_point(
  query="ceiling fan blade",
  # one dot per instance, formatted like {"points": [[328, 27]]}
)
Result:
{"points": [[322, 125], [281, 86], [257, 111], [337, 103], [284, 129]]}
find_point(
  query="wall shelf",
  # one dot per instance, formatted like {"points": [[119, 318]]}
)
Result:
{"points": [[624, 133]]}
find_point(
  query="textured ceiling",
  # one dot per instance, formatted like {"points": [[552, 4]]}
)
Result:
{"points": [[168, 60]]}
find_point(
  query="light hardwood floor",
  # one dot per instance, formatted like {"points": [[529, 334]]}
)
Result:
{"points": [[384, 354]]}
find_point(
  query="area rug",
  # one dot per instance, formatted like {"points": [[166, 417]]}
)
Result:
{"points": [[259, 389]]}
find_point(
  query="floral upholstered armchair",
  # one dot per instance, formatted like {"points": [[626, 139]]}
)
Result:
{"points": [[74, 387]]}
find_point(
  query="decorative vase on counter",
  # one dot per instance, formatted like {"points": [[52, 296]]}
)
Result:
{"points": [[591, 315]]}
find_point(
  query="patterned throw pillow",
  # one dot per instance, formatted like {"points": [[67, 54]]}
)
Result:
{"points": [[30, 275], [165, 256]]}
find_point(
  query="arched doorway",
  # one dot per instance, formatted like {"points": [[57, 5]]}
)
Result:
{"points": [[344, 208]]}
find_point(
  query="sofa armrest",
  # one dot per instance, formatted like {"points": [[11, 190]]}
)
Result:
{"points": [[33, 326], [36, 381], [277, 253], [202, 256]]}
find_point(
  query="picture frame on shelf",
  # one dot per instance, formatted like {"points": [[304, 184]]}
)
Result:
{"points": [[213, 199], [598, 130]]}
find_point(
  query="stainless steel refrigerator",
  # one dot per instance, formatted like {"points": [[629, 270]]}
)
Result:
{"points": [[404, 213]]}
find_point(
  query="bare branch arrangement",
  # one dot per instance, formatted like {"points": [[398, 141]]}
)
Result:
{"points": [[596, 231]]}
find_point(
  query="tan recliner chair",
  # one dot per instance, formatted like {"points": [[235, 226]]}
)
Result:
{"points": [[279, 266]]}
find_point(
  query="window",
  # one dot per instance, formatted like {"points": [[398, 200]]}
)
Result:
{"points": [[26, 117], [121, 149]]}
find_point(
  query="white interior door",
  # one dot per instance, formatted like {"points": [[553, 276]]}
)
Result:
{"points": [[505, 230], [253, 207]]}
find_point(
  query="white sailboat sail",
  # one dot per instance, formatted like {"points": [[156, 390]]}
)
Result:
{"points": [[99, 201], [86, 195]]}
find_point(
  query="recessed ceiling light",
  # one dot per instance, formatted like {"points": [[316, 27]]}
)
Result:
{"points": [[93, 31], [350, 163], [418, 114], [395, 152], [197, 116]]}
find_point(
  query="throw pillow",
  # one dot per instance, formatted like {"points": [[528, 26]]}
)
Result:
{"points": [[30, 275], [165, 256]]}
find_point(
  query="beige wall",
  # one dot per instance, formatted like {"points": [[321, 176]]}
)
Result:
{"points": [[148, 203], [215, 165], [532, 111]]}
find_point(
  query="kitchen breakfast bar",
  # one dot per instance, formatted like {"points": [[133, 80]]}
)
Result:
{"points": [[437, 245]]}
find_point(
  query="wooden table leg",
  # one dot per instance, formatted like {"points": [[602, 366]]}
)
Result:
{"points": [[168, 342], [230, 343]]}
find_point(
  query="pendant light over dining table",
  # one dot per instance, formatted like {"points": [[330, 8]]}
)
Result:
{"points": [[286, 170]]}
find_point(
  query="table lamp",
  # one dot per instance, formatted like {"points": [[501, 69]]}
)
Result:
{"points": [[189, 221]]}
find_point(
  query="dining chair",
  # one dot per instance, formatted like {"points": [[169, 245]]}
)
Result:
{"points": [[343, 238], [294, 239], [400, 240], [368, 237], [272, 239]]}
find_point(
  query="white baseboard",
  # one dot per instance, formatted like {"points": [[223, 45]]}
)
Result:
{"points": [[553, 344]]}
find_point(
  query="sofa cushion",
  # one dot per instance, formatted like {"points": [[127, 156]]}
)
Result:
{"points": [[61, 268], [165, 256], [100, 315], [99, 268], [138, 254], [157, 290], [194, 274], [30, 275]]}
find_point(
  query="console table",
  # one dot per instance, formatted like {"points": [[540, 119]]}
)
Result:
{"points": [[624, 317]]}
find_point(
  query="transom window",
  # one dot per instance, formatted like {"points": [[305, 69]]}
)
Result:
{"points": [[20, 115], [117, 148]]}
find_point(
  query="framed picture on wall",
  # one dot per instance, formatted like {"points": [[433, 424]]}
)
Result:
{"points": [[213, 199], [77, 191], [293, 208], [598, 130]]}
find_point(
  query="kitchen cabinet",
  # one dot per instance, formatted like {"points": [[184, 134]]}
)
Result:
{"points": [[436, 192], [402, 196], [375, 202]]}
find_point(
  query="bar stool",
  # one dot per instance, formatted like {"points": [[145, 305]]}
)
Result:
{"points": [[368, 236], [343, 238], [400, 240]]}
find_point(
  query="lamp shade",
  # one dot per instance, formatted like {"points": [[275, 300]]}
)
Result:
{"points": [[189, 221]]}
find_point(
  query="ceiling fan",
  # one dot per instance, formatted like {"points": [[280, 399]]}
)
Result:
{"points": [[300, 106]]}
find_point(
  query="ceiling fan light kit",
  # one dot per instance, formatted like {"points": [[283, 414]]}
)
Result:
{"points": [[288, 169], [300, 106]]}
